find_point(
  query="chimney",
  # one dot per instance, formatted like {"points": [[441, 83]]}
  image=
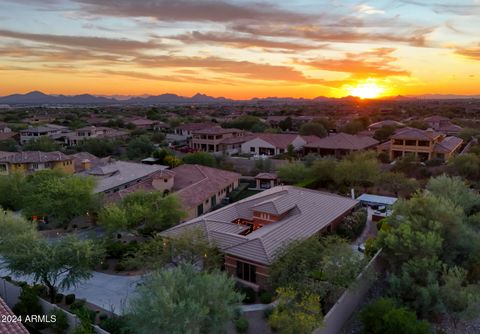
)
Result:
{"points": [[86, 164], [352, 191]]}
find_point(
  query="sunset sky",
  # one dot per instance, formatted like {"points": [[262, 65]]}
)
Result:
{"points": [[240, 49]]}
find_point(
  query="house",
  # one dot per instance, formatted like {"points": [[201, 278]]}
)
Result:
{"points": [[340, 144], [202, 188], [9, 327], [90, 132], [271, 144], [266, 180], [252, 232], [422, 144], [4, 128], [211, 139], [147, 124], [443, 124], [114, 176], [32, 161], [50, 130], [186, 130]]}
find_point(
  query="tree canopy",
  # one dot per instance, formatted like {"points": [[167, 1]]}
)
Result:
{"points": [[200, 158], [148, 210], [44, 144], [429, 238], [183, 300], [59, 264]]}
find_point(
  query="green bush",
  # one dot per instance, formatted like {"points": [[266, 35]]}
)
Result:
{"points": [[29, 304], [102, 317], [60, 325], [241, 324], [58, 298], [384, 316], [352, 226], [77, 305], [267, 312], [70, 299], [105, 265], [119, 266], [265, 297], [115, 325], [250, 295]]}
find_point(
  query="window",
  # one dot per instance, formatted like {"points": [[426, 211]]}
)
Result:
{"points": [[34, 165], [410, 142], [252, 149], [398, 142], [200, 210], [423, 143], [3, 168], [246, 272]]}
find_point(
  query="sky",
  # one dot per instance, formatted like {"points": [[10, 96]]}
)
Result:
{"points": [[240, 49]]}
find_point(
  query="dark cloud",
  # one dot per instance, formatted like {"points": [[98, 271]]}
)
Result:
{"points": [[194, 10], [242, 41], [330, 34], [92, 43]]}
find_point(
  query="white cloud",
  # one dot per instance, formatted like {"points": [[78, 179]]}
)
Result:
{"points": [[367, 9]]}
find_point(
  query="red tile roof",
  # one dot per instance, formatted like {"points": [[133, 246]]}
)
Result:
{"points": [[195, 183], [9, 327], [415, 134], [343, 141]]}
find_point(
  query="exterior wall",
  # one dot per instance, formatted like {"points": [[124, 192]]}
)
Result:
{"points": [[261, 272], [65, 166], [340, 313], [256, 144], [207, 202], [160, 184], [298, 142], [209, 142]]}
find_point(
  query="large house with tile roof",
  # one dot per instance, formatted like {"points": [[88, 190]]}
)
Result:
{"points": [[443, 124], [252, 232], [421, 144], [340, 144], [32, 161], [202, 188], [270, 144]]}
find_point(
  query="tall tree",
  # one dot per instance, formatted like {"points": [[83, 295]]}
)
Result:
{"points": [[58, 264], [44, 144], [62, 197]]}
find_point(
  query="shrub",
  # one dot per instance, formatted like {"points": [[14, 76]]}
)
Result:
{"points": [[383, 316], [119, 266], [250, 295], [352, 226], [77, 305], [105, 265], [29, 304], [60, 325], [114, 325], [102, 317], [58, 298], [267, 312], [69, 299], [241, 324], [265, 297]]}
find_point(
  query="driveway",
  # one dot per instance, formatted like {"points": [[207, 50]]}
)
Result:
{"points": [[110, 292]]}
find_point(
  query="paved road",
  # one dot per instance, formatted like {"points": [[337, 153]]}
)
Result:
{"points": [[107, 291]]}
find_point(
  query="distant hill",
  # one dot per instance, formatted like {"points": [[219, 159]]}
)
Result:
{"points": [[39, 98], [36, 97]]}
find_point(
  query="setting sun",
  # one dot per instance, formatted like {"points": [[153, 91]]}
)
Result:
{"points": [[366, 90]]}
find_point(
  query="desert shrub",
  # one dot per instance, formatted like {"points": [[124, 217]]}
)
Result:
{"points": [[352, 226], [58, 298], [250, 295], [69, 299], [265, 297], [60, 325], [241, 324]]}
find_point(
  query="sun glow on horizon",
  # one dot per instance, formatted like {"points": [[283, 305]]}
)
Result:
{"points": [[366, 90]]}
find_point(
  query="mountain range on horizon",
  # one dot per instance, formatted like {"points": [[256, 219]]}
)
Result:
{"points": [[40, 98]]}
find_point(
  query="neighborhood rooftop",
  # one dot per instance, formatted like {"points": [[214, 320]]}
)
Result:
{"points": [[302, 212]]}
